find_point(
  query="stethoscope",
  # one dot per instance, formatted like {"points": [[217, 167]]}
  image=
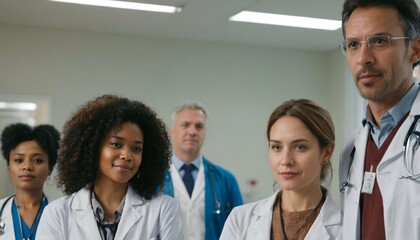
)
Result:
{"points": [[2, 223], [213, 190], [411, 142]]}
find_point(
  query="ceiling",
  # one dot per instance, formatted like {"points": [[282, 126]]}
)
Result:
{"points": [[200, 20]]}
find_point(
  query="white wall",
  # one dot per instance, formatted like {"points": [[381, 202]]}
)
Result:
{"points": [[240, 85]]}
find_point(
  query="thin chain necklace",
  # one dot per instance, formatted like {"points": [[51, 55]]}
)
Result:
{"points": [[306, 220]]}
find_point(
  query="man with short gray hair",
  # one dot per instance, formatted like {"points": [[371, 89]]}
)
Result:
{"points": [[206, 192]]}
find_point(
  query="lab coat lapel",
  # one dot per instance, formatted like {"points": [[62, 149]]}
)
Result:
{"points": [[395, 149], [83, 213], [177, 180], [198, 185], [131, 214], [328, 216], [262, 227], [352, 193], [358, 165]]}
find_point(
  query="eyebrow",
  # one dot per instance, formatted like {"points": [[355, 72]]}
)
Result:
{"points": [[375, 34], [123, 139], [35, 154], [294, 141]]}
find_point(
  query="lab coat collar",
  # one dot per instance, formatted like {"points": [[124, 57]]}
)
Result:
{"points": [[84, 214], [329, 215], [264, 211]]}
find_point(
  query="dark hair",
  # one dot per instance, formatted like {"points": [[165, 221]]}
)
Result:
{"points": [[316, 119], [85, 131], [408, 12], [45, 135]]}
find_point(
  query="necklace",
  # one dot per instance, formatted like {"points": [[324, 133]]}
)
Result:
{"points": [[306, 220]]}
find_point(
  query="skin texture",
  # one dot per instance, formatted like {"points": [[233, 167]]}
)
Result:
{"points": [[120, 155], [28, 166], [296, 161], [119, 160], [381, 76], [188, 133], [28, 170]]}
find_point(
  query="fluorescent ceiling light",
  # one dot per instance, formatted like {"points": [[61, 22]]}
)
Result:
{"points": [[286, 20], [125, 5], [27, 106]]}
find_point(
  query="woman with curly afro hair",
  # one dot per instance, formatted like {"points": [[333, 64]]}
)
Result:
{"points": [[111, 166], [30, 153]]}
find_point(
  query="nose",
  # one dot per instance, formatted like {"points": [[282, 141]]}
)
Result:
{"points": [[192, 130], [365, 54], [287, 158], [125, 154], [27, 166]]}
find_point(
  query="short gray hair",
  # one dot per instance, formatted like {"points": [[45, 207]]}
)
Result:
{"points": [[188, 105]]}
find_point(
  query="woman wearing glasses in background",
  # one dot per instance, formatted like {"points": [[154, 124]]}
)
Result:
{"points": [[31, 154], [301, 141]]}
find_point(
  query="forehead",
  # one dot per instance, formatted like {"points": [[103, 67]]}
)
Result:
{"points": [[28, 147], [190, 115], [367, 21], [127, 127], [290, 128]]}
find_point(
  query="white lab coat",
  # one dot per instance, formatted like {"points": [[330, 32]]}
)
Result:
{"points": [[192, 208], [71, 217], [253, 221], [7, 218], [401, 197]]}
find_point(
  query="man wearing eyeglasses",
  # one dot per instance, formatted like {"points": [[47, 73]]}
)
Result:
{"points": [[382, 46]]}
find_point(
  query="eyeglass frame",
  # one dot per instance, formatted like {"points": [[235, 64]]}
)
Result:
{"points": [[343, 44]]}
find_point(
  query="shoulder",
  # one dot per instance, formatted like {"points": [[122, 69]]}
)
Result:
{"points": [[212, 167], [261, 207], [162, 200], [330, 213], [60, 204], [6, 200]]}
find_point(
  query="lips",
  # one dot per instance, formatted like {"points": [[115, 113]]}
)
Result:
{"points": [[288, 174], [366, 76], [122, 167], [26, 177]]}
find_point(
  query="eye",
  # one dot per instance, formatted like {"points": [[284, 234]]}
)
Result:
{"points": [[352, 44], [137, 149], [115, 144], [199, 126], [18, 160], [38, 160], [275, 147], [300, 147], [379, 41]]}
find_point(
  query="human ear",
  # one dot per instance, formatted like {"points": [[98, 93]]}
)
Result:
{"points": [[415, 53], [328, 153]]}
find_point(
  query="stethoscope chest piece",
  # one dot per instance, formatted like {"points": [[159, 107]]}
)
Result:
{"points": [[2, 226]]}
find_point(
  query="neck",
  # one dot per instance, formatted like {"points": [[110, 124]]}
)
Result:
{"points": [[29, 199], [186, 157], [381, 106], [109, 197], [294, 201]]}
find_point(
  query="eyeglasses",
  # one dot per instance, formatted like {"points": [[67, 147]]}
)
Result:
{"points": [[351, 46]]}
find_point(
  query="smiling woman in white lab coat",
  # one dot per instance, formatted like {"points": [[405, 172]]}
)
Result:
{"points": [[114, 154], [301, 141]]}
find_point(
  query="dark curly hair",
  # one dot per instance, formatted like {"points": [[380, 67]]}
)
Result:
{"points": [[45, 135], [85, 131]]}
